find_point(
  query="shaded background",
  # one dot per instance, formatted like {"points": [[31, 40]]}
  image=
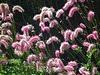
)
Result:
{"points": [[32, 7]]}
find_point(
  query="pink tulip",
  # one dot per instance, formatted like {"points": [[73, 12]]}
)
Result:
{"points": [[0, 16], [51, 39], [72, 1], [0, 10], [78, 30], [49, 65], [82, 25], [57, 69], [6, 9], [42, 55], [7, 18], [48, 9], [21, 46], [11, 15], [34, 38], [91, 36], [72, 10], [59, 12], [66, 34], [17, 52], [6, 24], [19, 37], [72, 36], [30, 59], [94, 70], [74, 46], [4, 43], [46, 20], [46, 28], [67, 5], [71, 73], [6, 37], [42, 15], [90, 15], [53, 23], [59, 63], [95, 33], [82, 69], [64, 46], [69, 68], [38, 65], [40, 34], [1, 52], [9, 32], [3, 62], [75, 0], [44, 9], [55, 64], [51, 9], [86, 44], [36, 17], [90, 48], [86, 73], [82, 0], [62, 32], [19, 8], [25, 29], [72, 63], [41, 24], [50, 14], [57, 52], [41, 44], [49, 62]]}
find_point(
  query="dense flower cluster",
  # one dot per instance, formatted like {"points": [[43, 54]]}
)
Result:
{"points": [[62, 58], [25, 40]]}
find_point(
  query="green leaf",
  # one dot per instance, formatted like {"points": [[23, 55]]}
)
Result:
{"points": [[98, 63], [1, 58], [89, 56], [59, 32], [77, 49]]}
